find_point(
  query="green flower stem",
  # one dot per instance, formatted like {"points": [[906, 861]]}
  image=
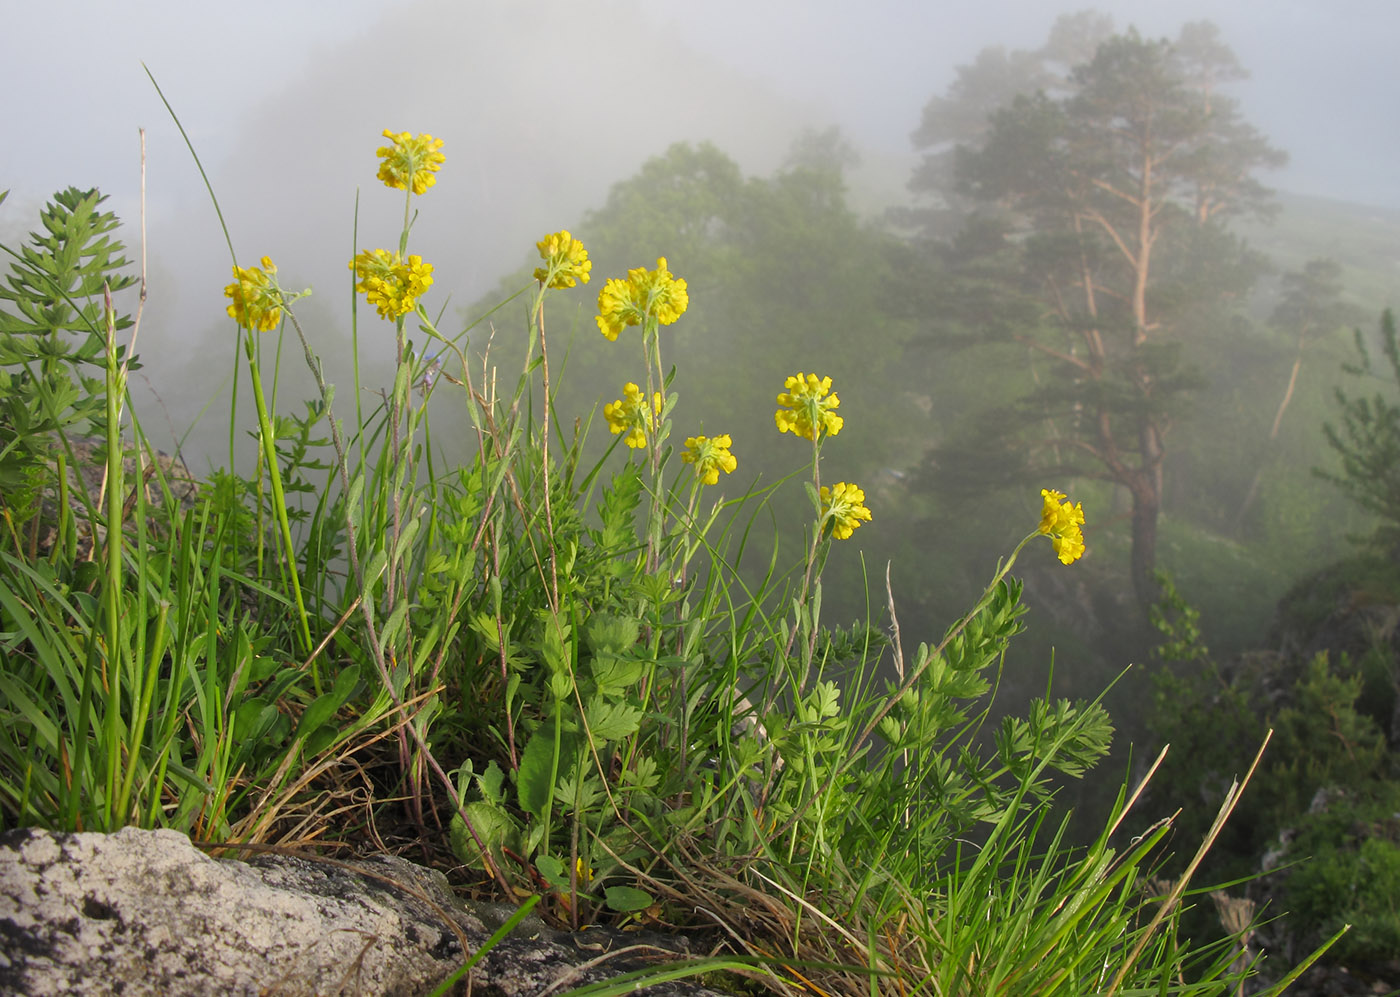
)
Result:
{"points": [[355, 332], [651, 347], [553, 591], [279, 500], [116, 385], [809, 650]]}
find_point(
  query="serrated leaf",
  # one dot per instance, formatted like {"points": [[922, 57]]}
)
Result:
{"points": [[607, 633], [553, 647], [612, 721], [614, 673]]}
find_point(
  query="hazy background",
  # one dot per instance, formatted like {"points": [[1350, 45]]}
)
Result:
{"points": [[1323, 87], [543, 105]]}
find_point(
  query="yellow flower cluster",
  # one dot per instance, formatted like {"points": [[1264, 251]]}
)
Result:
{"points": [[644, 294], [566, 261], [257, 303], [631, 414], [808, 410], [1062, 523], [410, 162], [390, 283], [710, 455], [843, 505]]}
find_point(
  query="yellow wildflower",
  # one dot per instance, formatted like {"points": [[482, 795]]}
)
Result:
{"points": [[257, 302], [644, 294], [390, 283], [843, 505], [410, 162], [630, 413], [807, 408], [566, 261], [710, 455], [1061, 522]]}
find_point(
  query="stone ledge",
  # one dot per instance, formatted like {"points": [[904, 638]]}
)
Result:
{"points": [[145, 912]]}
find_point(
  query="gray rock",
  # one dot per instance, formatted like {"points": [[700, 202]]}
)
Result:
{"points": [[145, 912]]}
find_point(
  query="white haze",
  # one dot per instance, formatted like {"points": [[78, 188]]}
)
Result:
{"points": [[543, 105]]}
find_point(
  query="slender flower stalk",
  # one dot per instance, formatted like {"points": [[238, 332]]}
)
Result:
{"points": [[1060, 516], [566, 264], [650, 299], [808, 410], [257, 307]]}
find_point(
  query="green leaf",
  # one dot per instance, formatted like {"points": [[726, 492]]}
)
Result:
{"points": [[324, 707], [490, 782], [321, 738], [612, 634], [560, 685], [614, 673], [536, 772], [552, 870], [346, 681], [254, 719], [553, 647], [610, 721], [626, 898], [617, 511], [410, 530], [492, 824]]}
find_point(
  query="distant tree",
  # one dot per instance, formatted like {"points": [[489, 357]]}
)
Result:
{"points": [[828, 150], [962, 117], [783, 277], [1368, 437], [1110, 202], [1310, 309], [681, 203]]}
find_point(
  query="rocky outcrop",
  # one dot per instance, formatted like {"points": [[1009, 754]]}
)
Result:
{"points": [[145, 912]]}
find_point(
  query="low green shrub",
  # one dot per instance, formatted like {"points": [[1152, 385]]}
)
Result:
{"points": [[1344, 868]]}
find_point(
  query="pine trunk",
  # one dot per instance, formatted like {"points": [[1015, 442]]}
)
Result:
{"points": [[1147, 506]]}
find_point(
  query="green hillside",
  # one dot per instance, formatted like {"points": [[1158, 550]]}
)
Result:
{"points": [[1365, 240]]}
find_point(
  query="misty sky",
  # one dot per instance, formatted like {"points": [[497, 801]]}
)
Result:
{"points": [[1324, 83], [543, 105]]}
